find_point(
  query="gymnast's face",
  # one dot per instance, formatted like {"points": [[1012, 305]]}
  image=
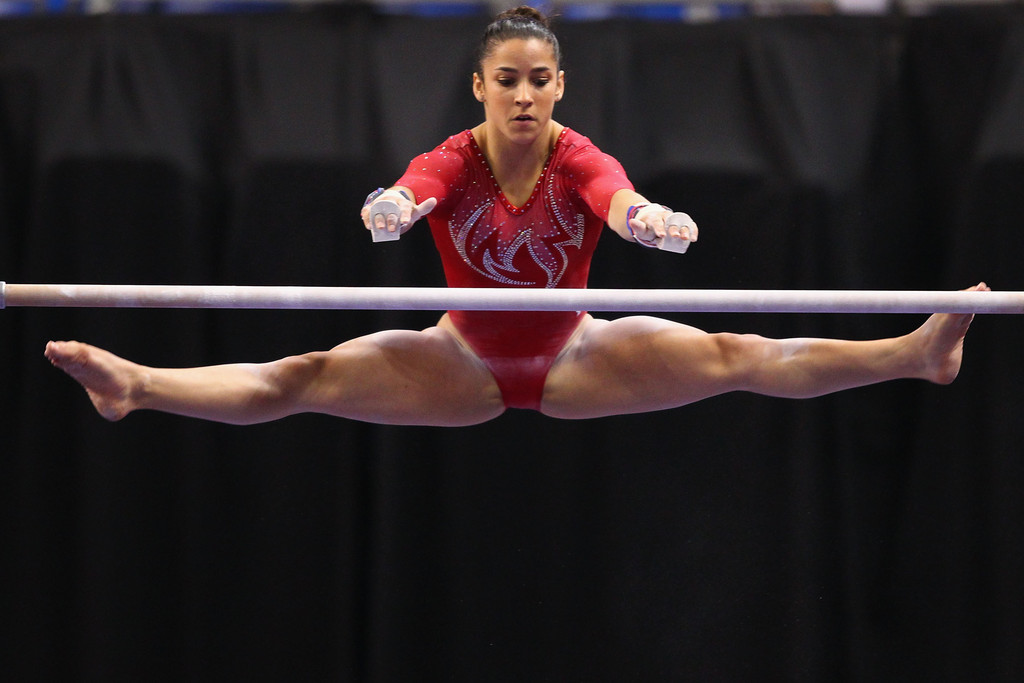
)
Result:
{"points": [[519, 85]]}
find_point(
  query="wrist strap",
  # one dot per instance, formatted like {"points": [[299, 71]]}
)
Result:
{"points": [[378, 192], [631, 214], [633, 211]]}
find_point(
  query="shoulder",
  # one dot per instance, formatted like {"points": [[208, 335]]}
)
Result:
{"points": [[577, 153], [458, 145], [572, 143], [447, 160]]}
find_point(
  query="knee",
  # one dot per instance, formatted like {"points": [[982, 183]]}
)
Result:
{"points": [[287, 379], [738, 356]]}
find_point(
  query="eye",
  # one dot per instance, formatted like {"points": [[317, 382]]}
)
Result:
{"points": [[506, 82]]}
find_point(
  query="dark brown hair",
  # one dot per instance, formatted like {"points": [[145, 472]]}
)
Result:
{"points": [[520, 22]]}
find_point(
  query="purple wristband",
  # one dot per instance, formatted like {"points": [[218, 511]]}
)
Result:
{"points": [[378, 192], [633, 211], [630, 215]]}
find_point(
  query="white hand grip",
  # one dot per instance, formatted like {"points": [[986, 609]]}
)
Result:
{"points": [[676, 244], [673, 243], [385, 208]]}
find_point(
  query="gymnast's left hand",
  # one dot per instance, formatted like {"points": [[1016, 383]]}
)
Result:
{"points": [[393, 211], [655, 224]]}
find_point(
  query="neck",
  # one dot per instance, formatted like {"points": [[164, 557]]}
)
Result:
{"points": [[507, 158]]}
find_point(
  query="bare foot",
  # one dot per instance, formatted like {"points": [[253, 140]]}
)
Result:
{"points": [[107, 378], [942, 340]]}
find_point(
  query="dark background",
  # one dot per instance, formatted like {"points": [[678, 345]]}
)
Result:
{"points": [[871, 535]]}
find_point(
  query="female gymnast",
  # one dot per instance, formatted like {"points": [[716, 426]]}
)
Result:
{"points": [[517, 201]]}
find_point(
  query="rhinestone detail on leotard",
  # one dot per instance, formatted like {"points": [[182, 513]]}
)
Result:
{"points": [[545, 240]]}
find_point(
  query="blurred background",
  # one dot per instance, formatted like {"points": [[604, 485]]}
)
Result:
{"points": [[872, 535]]}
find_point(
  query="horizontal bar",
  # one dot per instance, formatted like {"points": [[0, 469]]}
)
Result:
{"points": [[511, 299]]}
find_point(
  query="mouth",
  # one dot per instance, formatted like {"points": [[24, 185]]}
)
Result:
{"points": [[523, 117]]}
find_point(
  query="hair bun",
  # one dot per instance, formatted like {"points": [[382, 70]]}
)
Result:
{"points": [[523, 22], [525, 12]]}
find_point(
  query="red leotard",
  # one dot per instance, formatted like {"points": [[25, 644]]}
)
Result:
{"points": [[485, 241]]}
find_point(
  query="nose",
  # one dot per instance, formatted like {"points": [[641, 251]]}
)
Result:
{"points": [[523, 96]]}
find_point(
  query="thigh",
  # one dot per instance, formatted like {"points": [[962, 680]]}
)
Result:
{"points": [[404, 377], [637, 364]]}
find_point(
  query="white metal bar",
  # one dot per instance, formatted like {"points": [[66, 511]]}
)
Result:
{"points": [[512, 299]]}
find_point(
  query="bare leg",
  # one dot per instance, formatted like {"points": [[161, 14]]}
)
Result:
{"points": [[640, 364], [397, 377]]}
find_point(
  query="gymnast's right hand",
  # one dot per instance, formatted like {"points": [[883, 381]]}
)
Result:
{"points": [[389, 213]]}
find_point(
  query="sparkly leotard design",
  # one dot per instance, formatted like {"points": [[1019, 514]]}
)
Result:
{"points": [[486, 241]]}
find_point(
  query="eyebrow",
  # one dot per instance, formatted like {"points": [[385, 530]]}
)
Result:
{"points": [[513, 70]]}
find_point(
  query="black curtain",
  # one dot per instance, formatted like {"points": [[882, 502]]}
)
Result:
{"points": [[871, 535]]}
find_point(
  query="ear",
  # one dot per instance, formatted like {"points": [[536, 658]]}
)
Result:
{"points": [[478, 87], [560, 90]]}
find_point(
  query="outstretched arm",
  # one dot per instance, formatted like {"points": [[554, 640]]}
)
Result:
{"points": [[636, 219]]}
